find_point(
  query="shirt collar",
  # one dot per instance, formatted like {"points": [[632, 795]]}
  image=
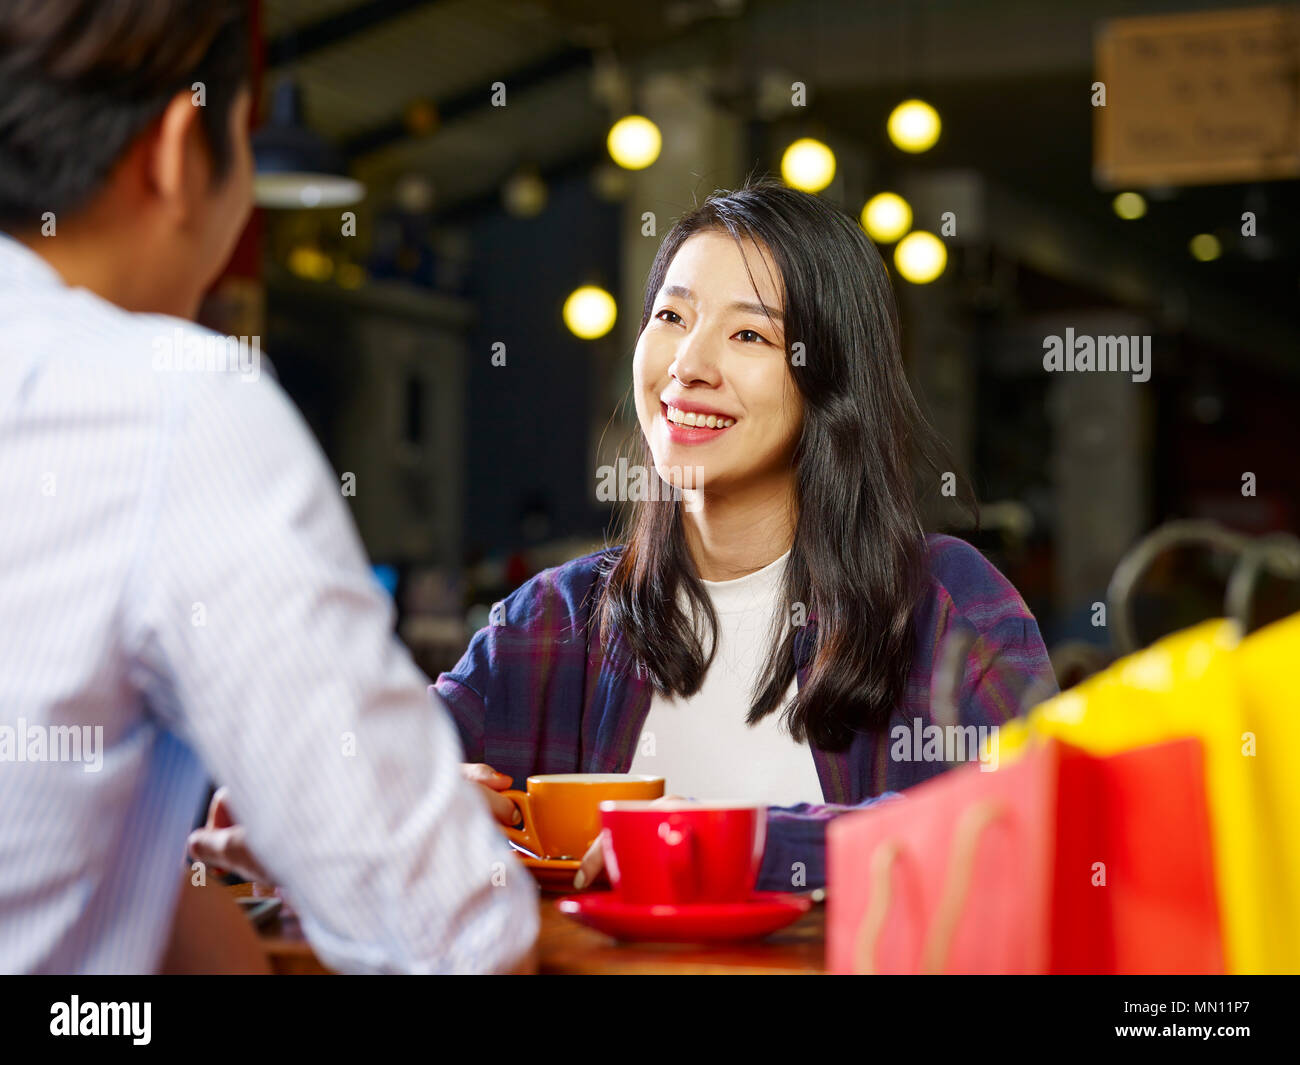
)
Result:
{"points": [[19, 264]]}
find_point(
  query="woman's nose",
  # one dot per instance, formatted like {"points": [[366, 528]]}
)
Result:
{"points": [[695, 363]]}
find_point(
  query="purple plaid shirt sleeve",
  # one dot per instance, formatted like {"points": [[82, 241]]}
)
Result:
{"points": [[535, 693]]}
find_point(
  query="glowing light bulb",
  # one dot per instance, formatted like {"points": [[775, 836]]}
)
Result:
{"points": [[1129, 205], [590, 312], [914, 126], [1205, 247], [808, 164], [634, 142], [920, 257], [886, 217]]}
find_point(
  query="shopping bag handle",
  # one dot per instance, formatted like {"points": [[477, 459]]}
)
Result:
{"points": [[1279, 553], [974, 820], [880, 875], [1134, 564]]}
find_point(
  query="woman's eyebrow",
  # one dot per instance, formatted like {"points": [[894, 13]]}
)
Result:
{"points": [[759, 308], [682, 292]]}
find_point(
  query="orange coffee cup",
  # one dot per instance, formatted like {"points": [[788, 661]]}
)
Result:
{"points": [[561, 811]]}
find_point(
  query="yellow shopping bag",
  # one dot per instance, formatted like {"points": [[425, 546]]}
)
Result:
{"points": [[1266, 664], [1238, 699]]}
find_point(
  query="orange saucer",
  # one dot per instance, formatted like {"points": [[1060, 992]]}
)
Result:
{"points": [[551, 874]]}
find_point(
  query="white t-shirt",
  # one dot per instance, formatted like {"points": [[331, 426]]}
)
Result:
{"points": [[701, 745]]}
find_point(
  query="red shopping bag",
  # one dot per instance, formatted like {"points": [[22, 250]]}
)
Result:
{"points": [[1059, 862]]}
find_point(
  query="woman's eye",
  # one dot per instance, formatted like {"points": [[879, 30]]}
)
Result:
{"points": [[672, 316], [748, 336]]}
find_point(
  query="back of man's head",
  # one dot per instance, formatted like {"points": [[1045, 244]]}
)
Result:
{"points": [[80, 79], [124, 154]]}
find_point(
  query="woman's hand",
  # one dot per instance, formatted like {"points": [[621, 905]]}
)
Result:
{"points": [[222, 844], [594, 860], [491, 782]]}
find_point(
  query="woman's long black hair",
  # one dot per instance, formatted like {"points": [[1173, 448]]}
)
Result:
{"points": [[858, 563]]}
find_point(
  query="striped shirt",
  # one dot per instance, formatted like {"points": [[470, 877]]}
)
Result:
{"points": [[535, 694], [183, 594]]}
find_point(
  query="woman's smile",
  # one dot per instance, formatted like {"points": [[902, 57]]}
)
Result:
{"points": [[691, 423]]}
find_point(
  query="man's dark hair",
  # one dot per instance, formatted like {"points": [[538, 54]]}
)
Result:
{"points": [[81, 79]]}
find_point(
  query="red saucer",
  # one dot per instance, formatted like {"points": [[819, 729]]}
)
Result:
{"points": [[764, 913]]}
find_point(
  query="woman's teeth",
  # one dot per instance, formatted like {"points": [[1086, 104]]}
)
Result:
{"points": [[699, 421]]}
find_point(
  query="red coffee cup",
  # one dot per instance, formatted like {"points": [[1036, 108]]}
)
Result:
{"points": [[682, 852]]}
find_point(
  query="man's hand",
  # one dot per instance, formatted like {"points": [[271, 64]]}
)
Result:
{"points": [[222, 844]]}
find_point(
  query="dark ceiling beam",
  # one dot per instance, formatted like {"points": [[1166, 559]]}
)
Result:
{"points": [[471, 102], [314, 36]]}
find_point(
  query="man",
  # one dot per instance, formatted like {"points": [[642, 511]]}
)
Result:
{"points": [[182, 593]]}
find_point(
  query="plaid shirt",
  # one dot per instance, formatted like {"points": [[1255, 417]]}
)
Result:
{"points": [[535, 694]]}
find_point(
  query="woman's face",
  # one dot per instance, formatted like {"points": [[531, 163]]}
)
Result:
{"points": [[714, 393]]}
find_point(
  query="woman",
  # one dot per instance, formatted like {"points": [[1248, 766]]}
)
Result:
{"points": [[783, 631]]}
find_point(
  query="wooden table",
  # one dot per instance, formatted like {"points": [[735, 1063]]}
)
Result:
{"points": [[565, 947]]}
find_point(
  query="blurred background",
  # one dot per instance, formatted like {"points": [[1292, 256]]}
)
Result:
{"points": [[461, 200]]}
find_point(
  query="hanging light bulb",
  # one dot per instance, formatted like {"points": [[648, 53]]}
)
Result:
{"points": [[914, 126], [920, 257], [414, 194], [1205, 247], [1129, 205], [295, 167], [609, 182], [350, 275], [808, 164], [524, 193], [634, 142], [886, 217], [310, 263], [590, 312]]}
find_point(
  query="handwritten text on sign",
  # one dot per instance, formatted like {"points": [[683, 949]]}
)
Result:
{"points": [[1199, 99]]}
